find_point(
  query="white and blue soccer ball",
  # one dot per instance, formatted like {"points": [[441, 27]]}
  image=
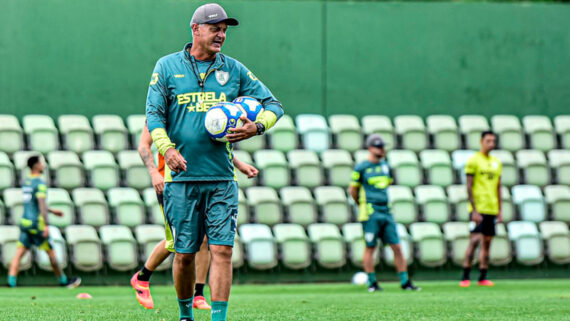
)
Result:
{"points": [[359, 278], [251, 106], [222, 117]]}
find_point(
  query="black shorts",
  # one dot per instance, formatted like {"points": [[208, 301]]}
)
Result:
{"points": [[487, 226]]}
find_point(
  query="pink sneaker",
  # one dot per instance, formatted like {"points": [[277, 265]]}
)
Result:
{"points": [[465, 283], [200, 303], [486, 283], [142, 291]]}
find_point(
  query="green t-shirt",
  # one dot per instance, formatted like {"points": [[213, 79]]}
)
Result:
{"points": [[34, 188], [373, 180]]}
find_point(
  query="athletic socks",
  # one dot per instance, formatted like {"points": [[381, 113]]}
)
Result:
{"points": [[403, 277], [219, 310], [185, 306], [466, 272], [371, 278], [63, 279], [483, 275], [12, 281], [144, 274], [199, 289]]}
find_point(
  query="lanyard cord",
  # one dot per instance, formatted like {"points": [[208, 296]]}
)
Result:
{"points": [[196, 71]]}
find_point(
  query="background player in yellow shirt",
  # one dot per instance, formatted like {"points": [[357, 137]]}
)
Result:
{"points": [[484, 190]]}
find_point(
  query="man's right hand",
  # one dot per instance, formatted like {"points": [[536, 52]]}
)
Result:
{"points": [[174, 160], [476, 217], [157, 182]]}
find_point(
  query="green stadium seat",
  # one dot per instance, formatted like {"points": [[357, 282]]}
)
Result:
{"points": [[533, 165], [111, 133], [510, 173], [471, 127], [11, 139], [437, 165], [148, 236], [328, 245], [443, 129], [306, 167], [354, 237], [457, 197], [509, 129], [300, 205], [412, 132], [558, 198], [360, 156], [265, 205], [243, 210], [295, 249], [333, 204], [530, 203], [382, 125], [91, 206], [42, 134], [260, 246], [405, 167], [21, 164], [347, 132], [84, 247], [13, 200], [127, 206], [562, 126], [58, 198], [457, 236], [135, 125], [237, 253], [459, 158], [7, 176], [406, 245], [9, 236], [402, 204], [314, 132], [527, 242], [66, 168], [283, 135], [430, 244], [559, 161], [59, 247], [2, 212], [152, 206], [540, 132], [273, 167], [433, 202], [134, 171], [339, 166], [102, 169], [76, 133], [508, 208], [252, 144], [120, 247], [243, 181], [557, 238], [501, 251]]}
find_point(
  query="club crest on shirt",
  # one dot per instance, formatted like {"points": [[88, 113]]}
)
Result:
{"points": [[222, 77], [495, 165]]}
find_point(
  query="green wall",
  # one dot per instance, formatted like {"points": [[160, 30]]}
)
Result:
{"points": [[94, 57]]}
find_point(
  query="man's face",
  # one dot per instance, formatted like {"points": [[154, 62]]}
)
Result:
{"points": [[488, 142], [210, 37], [39, 166], [377, 151]]}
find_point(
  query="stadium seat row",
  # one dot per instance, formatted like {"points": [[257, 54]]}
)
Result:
{"points": [[296, 204], [408, 132], [263, 248]]}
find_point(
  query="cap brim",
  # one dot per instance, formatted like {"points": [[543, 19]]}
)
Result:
{"points": [[228, 21]]}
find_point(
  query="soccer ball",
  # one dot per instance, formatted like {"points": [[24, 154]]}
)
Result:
{"points": [[252, 107], [222, 117], [359, 278]]}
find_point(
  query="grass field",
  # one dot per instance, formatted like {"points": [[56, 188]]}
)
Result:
{"points": [[508, 300]]}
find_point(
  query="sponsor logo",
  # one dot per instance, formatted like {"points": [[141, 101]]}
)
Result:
{"points": [[179, 76], [154, 79], [200, 101]]}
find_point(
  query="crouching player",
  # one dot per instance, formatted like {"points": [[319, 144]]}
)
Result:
{"points": [[369, 189]]}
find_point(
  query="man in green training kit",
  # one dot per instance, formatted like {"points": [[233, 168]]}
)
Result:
{"points": [[369, 189], [201, 193], [34, 225]]}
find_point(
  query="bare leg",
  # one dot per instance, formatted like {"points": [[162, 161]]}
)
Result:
{"points": [[399, 260], [484, 255], [184, 270], [368, 259], [157, 256], [15, 264], [203, 263], [474, 240], [53, 262], [221, 272]]}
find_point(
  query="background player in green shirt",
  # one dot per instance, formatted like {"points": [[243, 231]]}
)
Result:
{"points": [[483, 173], [34, 225], [369, 189]]}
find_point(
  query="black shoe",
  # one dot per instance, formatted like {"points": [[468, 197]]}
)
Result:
{"points": [[72, 283], [409, 286], [374, 288], [186, 319]]}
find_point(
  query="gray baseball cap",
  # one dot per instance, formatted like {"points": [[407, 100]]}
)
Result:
{"points": [[374, 140], [212, 13]]}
